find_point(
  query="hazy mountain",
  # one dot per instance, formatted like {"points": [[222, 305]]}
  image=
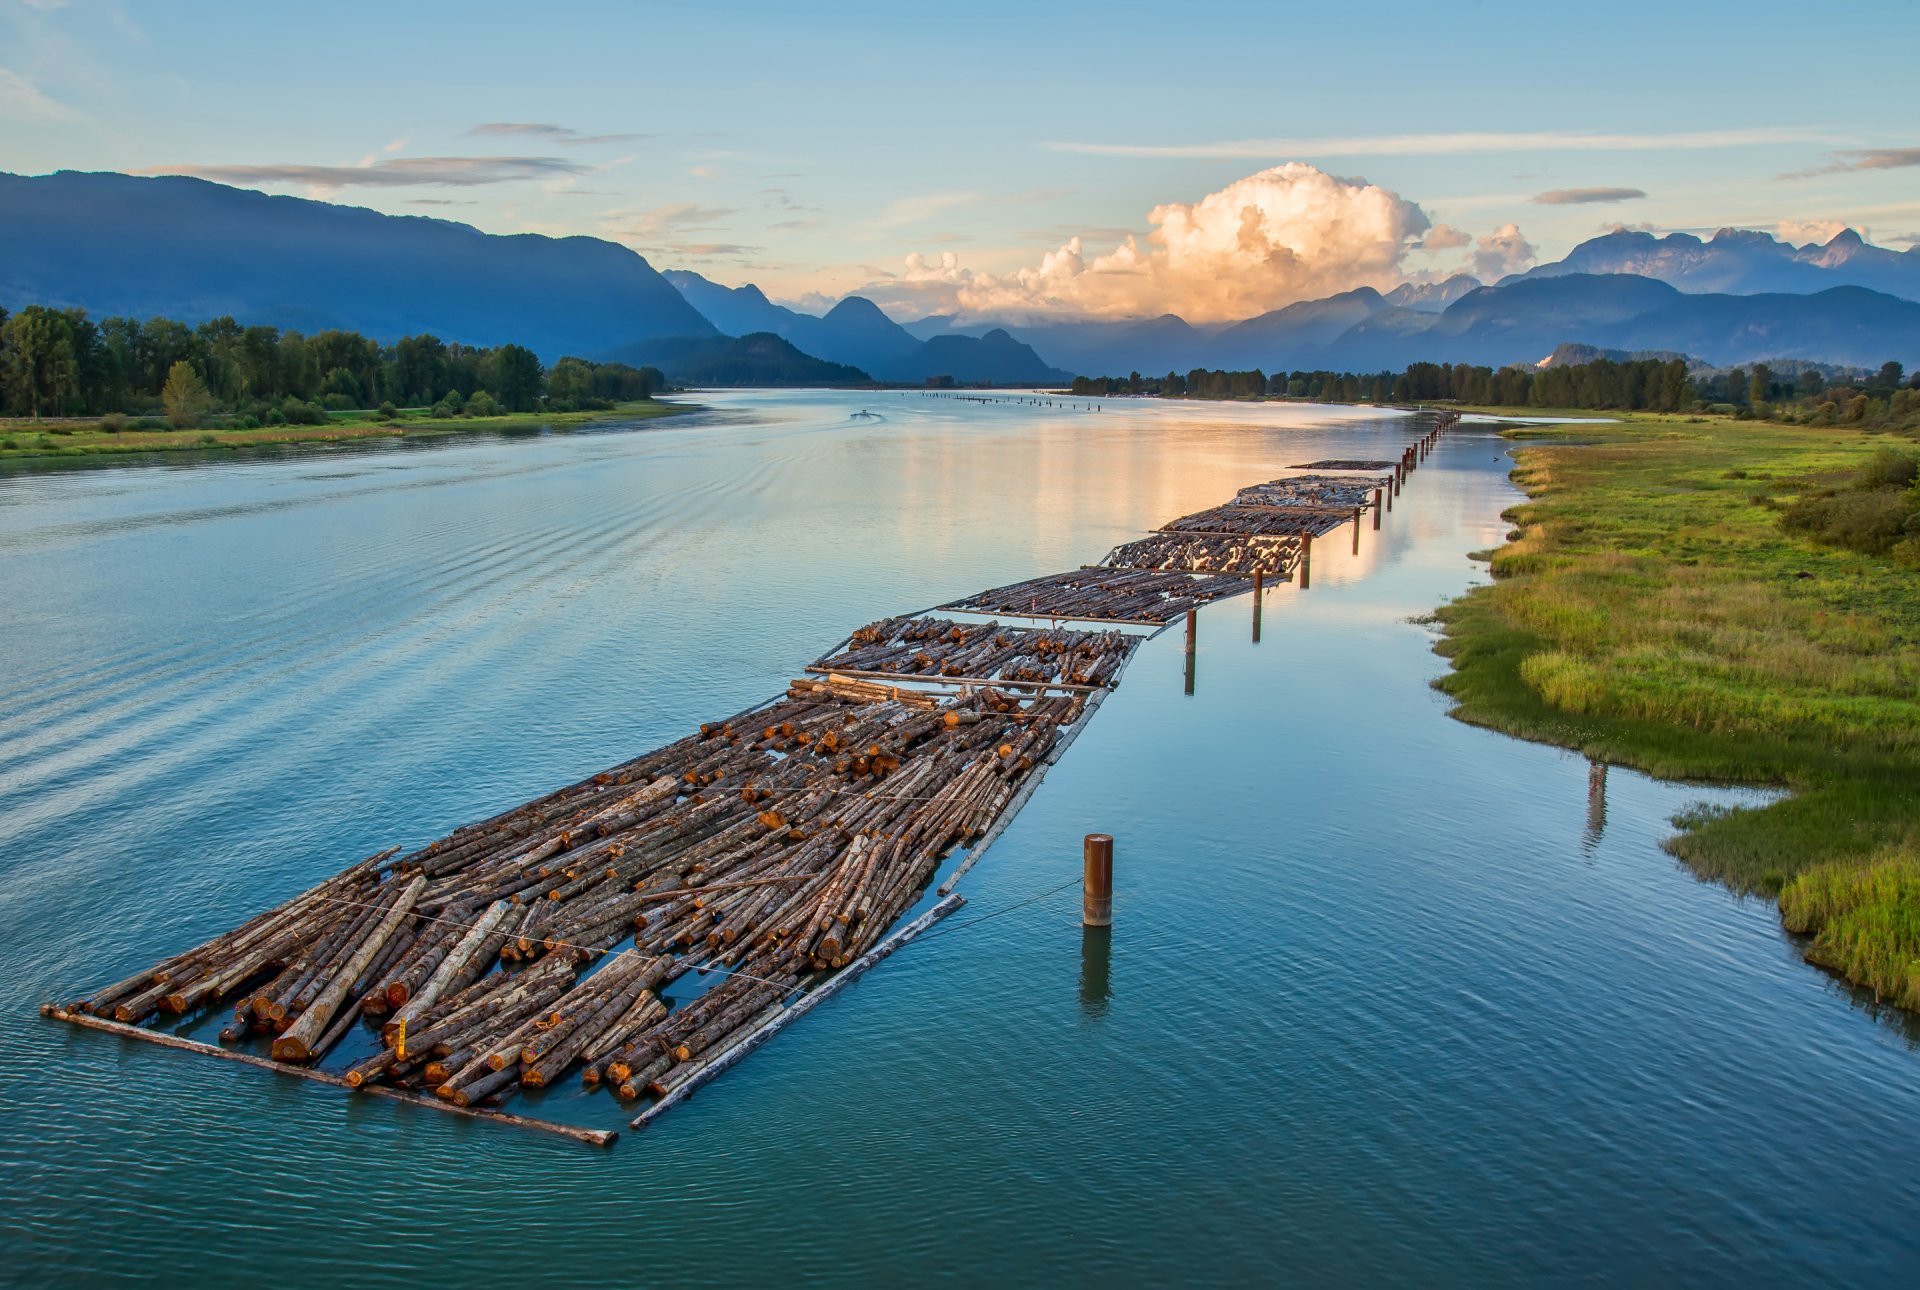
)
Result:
{"points": [[1431, 297], [188, 249], [1850, 325], [1156, 345], [858, 333], [1269, 339], [756, 359], [1744, 262]]}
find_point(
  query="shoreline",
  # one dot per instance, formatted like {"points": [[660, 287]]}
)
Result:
{"points": [[81, 440], [1648, 610]]}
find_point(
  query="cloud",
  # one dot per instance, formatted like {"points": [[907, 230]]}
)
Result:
{"points": [[1430, 144], [913, 210], [676, 218], [1802, 231], [1501, 252], [401, 172], [1445, 237], [1585, 196], [441, 201], [1290, 233], [20, 98], [551, 133], [1861, 159]]}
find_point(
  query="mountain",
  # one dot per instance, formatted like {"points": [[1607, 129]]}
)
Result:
{"points": [[1431, 297], [858, 333], [1849, 325], [1154, 345], [756, 359], [1307, 325], [188, 249], [1744, 262]]}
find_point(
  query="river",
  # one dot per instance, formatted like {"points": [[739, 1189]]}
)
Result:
{"points": [[1387, 997]]}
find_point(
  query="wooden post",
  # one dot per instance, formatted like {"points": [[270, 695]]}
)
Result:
{"points": [[1306, 561], [1097, 899], [1376, 510]]}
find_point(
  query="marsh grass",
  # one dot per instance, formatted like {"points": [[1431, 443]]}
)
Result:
{"points": [[1652, 610]]}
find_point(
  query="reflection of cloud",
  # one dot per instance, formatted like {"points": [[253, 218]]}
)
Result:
{"points": [[20, 98], [1585, 196], [401, 172], [1290, 233], [552, 133], [1428, 144], [1501, 252], [1862, 159]]}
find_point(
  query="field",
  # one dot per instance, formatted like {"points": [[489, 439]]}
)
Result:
{"points": [[21, 438], [1650, 610]]}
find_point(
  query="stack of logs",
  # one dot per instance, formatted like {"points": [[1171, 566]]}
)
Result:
{"points": [[1260, 521], [1272, 557], [772, 847], [1145, 596], [1338, 492], [942, 647]]}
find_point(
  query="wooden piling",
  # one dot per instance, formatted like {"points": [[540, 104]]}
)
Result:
{"points": [[1096, 908]]}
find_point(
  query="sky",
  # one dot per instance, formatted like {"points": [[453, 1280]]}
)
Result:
{"points": [[1009, 160]]}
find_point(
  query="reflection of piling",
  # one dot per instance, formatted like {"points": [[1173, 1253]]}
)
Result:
{"points": [[1096, 968], [1193, 631], [1259, 594], [1376, 509], [1596, 801], [1306, 561], [1356, 530], [1096, 904]]}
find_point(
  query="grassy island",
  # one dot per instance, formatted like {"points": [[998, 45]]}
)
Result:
{"points": [[23, 438], [1704, 598]]}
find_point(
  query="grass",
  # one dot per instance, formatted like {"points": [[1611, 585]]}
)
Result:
{"points": [[1651, 609], [24, 439]]}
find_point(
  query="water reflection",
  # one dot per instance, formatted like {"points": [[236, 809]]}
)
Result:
{"points": [[1096, 963], [1596, 806]]}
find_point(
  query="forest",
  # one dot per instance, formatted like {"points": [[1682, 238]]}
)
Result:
{"points": [[1802, 393], [61, 363]]}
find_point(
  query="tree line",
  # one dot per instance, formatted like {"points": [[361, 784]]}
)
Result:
{"points": [[59, 362], [1798, 392]]}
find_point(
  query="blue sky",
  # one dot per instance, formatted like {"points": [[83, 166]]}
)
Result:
{"points": [[812, 149]]}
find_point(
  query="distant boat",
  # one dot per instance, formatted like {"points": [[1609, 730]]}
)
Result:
{"points": [[864, 415]]}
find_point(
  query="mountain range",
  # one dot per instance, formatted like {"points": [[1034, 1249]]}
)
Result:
{"points": [[857, 333], [189, 249]]}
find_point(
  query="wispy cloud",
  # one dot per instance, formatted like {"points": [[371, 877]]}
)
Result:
{"points": [[912, 210], [659, 221], [1459, 142], [400, 172], [1586, 196], [551, 133], [1862, 159], [20, 98]]}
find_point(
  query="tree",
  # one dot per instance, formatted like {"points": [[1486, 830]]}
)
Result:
{"points": [[516, 378], [1760, 386], [1890, 376], [42, 372], [185, 397]]}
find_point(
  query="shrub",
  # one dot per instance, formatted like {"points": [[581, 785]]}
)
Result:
{"points": [[337, 402], [275, 417], [388, 412], [441, 412], [9, 443], [302, 414], [482, 404], [114, 422], [1890, 468]]}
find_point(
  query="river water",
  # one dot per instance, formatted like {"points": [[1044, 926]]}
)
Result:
{"points": [[1387, 997]]}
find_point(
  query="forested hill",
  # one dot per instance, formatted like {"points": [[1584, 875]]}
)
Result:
{"points": [[187, 249]]}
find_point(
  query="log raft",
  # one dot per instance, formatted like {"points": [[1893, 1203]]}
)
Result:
{"points": [[777, 846]]}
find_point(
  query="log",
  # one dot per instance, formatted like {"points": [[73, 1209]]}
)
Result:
{"points": [[297, 1044]]}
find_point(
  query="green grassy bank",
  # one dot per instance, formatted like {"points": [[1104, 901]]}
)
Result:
{"points": [[22, 438], [1651, 610]]}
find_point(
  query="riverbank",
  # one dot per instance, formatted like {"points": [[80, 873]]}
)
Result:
{"points": [[1650, 610], [25, 439]]}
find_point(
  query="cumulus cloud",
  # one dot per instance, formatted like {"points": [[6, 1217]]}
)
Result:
{"points": [[1585, 196], [551, 133], [1802, 231], [1501, 252], [1445, 237], [401, 172], [1290, 233]]}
